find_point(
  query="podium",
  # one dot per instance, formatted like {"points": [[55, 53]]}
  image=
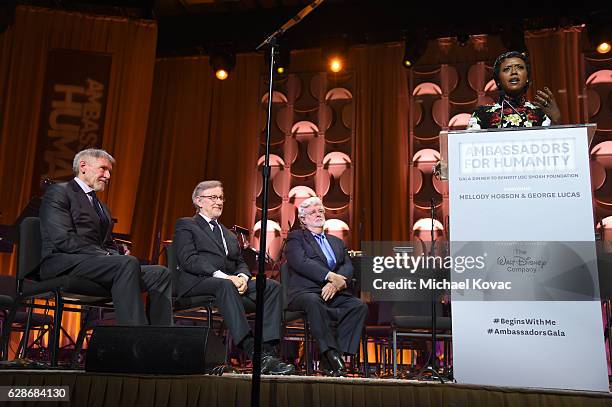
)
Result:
{"points": [[521, 199]]}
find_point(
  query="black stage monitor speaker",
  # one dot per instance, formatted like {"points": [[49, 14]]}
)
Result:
{"points": [[154, 350]]}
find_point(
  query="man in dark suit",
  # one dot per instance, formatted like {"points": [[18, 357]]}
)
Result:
{"points": [[76, 233], [210, 262], [319, 272]]}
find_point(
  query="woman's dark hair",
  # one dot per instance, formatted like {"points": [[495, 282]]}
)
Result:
{"points": [[502, 58]]}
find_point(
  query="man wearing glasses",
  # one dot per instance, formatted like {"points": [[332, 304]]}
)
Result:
{"points": [[320, 271], [210, 262]]}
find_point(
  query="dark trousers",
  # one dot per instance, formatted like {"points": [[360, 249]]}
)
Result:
{"points": [[125, 279], [348, 311], [232, 306]]}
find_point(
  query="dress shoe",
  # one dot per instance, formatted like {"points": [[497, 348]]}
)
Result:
{"points": [[332, 364], [270, 364], [325, 368]]}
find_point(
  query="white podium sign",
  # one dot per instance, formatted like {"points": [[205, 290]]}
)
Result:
{"points": [[525, 185]]}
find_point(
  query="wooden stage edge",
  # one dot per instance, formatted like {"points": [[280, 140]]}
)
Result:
{"points": [[98, 389]]}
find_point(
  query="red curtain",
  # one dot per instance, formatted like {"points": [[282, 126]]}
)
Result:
{"points": [[381, 149], [555, 57]]}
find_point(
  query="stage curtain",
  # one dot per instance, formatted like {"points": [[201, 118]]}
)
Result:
{"points": [[199, 128], [555, 56], [23, 53], [380, 148]]}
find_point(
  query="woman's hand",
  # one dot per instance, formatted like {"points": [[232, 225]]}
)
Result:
{"points": [[546, 101]]}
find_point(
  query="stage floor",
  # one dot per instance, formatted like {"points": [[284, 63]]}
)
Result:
{"points": [[95, 389]]}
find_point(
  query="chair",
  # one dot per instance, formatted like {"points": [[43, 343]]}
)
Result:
{"points": [[25, 320], [289, 317], [355, 288], [417, 327], [377, 332], [186, 303], [62, 290]]}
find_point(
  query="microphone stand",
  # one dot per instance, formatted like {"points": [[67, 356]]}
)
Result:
{"points": [[260, 281], [431, 366]]}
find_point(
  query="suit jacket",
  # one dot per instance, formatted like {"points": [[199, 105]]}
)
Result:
{"points": [[308, 264], [71, 230], [199, 254]]}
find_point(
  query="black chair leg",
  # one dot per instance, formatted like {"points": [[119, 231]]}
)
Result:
{"points": [[7, 328], [209, 313], [366, 366], [57, 325], [78, 346], [26, 334], [307, 347]]}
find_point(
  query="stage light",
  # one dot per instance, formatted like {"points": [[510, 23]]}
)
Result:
{"points": [[282, 60], [415, 44], [221, 74], [603, 47], [335, 52], [599, 32], [336, 64], [222, 64]]}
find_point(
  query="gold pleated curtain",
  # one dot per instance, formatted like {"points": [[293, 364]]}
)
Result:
{"points": [[381, 148], [555, 56]]}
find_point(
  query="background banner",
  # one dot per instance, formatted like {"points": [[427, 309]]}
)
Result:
{"points": [[72, 111]]}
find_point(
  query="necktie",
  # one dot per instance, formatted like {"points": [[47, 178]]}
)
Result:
{"points": [[98, 209], [327, 251], [216, 231]]}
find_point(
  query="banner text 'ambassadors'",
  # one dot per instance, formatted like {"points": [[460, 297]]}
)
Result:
{"points": [[517, 156]]}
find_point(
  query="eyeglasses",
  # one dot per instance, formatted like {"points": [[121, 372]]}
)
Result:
{"points": [[315, 211], [213, 197]]}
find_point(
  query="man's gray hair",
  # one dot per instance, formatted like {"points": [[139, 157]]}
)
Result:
{"points": [[203, 186], [307, 203], [89, 153]]}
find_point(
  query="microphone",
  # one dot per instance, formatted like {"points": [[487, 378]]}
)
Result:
{"points": [[501, 118], [293, 21]]}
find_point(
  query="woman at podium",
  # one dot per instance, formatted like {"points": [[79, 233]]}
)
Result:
{"points": [[512, 73]]}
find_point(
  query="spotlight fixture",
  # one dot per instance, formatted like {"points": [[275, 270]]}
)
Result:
{"points": [[603, 47], [283, 60], [414, 48], [222, 64], [599, 32], [334, 54], [335, 63]]}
